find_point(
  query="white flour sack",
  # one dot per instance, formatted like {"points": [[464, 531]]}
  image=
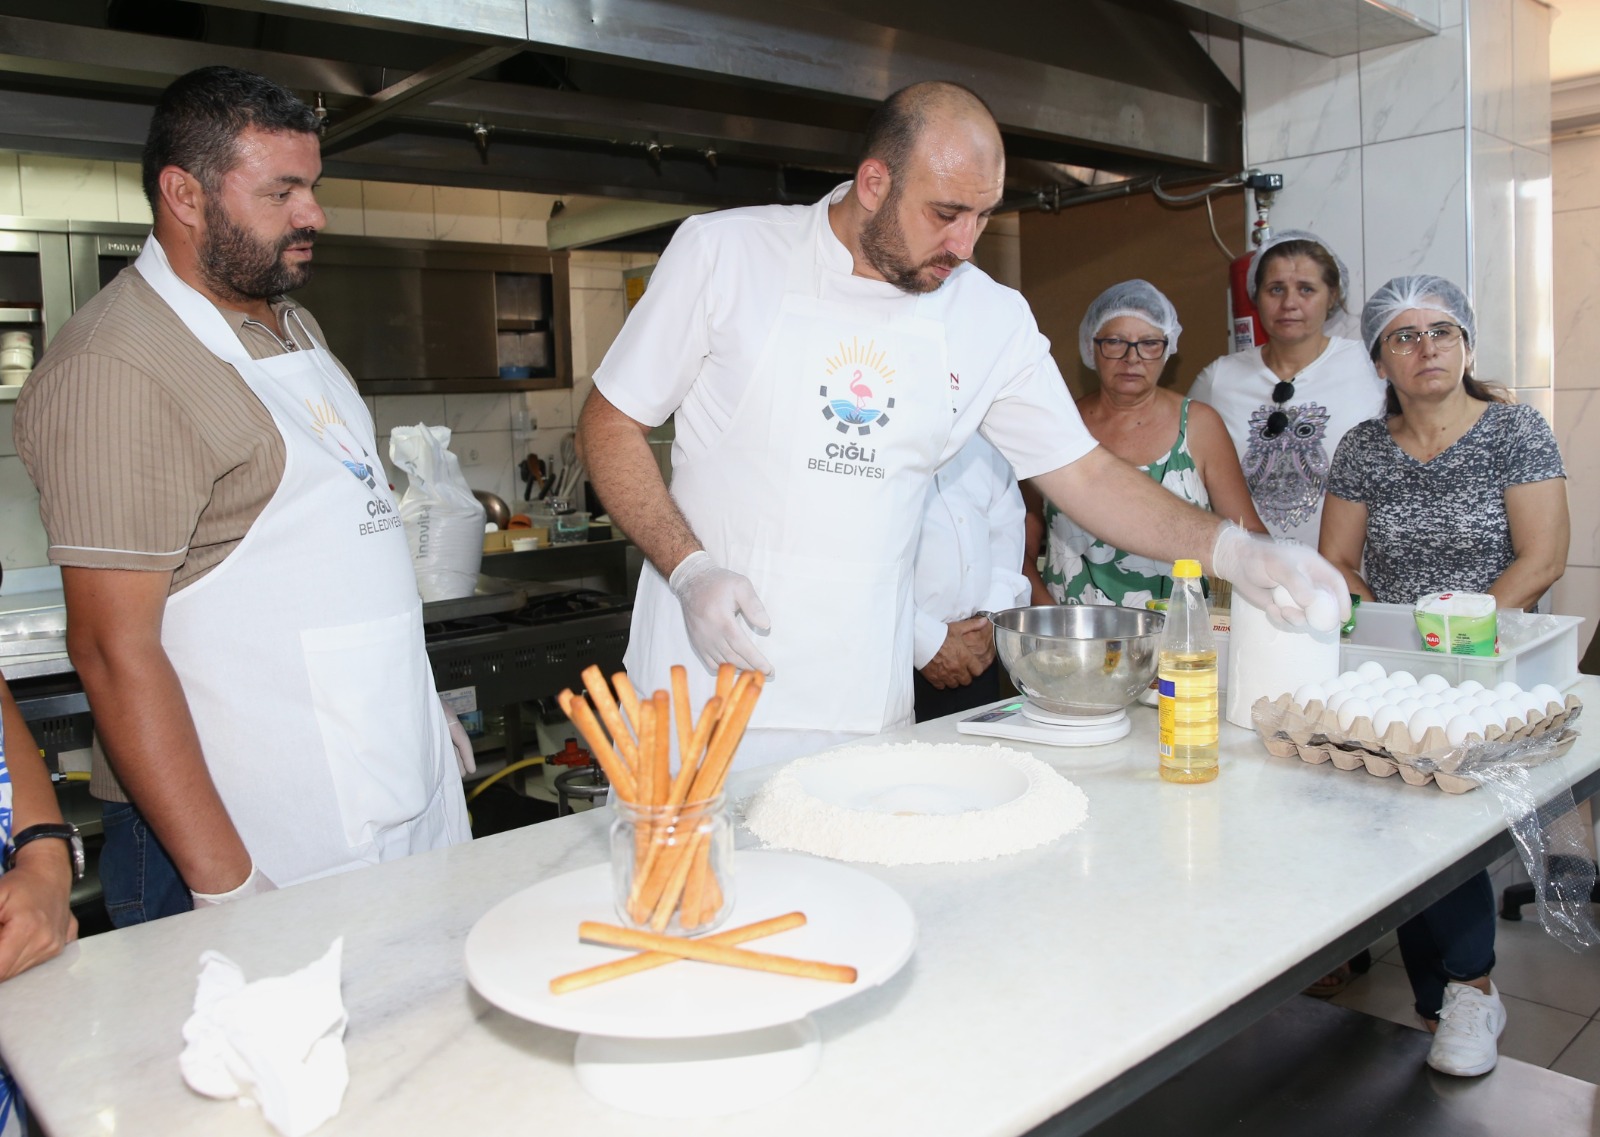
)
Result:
{"points": [[444, 522]]}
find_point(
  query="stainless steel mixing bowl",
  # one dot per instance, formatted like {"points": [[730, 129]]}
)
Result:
{"points": [[1081, 659]]}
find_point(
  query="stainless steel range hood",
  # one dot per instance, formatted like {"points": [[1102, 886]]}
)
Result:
{"points": [[689, 102]]}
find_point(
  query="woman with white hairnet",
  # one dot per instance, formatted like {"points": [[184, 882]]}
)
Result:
{"points": [[1455, 489], [1127, 336], [1288, 402]]}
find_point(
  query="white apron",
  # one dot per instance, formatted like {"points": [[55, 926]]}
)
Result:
{"points": [[301, 654], [816, 492]]}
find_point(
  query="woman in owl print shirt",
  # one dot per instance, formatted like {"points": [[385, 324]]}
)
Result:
{"points": [[1288, 402]]}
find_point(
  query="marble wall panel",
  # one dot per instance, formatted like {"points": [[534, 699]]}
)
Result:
{"points": [[477, 411], [1298, 103], [1575, 297], [1578, 594], [1414, 207], [1577, 425], [1534, 269], [485, 458], [1530, 74], [551, 408], [596, 319], [1491, 54], [391, 411], [466, 214], [1322, 193], [22, 540], [340, 199], [10, 185], [1414, 88], [1575, 174], [1494, 256], [395, 210], [523, 217], [132, 205], [75, 189]]}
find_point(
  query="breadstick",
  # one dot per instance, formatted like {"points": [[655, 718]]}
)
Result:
{"points": [[645, 890], [645, 771], [678, 866], [576, 708], [595, 683], [681, 712], [646, 961], [725, 676], [661, 779], [627, 696], [707, 952]]}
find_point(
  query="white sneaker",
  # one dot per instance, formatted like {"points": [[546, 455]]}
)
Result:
{"points": [[1470, 1022]]}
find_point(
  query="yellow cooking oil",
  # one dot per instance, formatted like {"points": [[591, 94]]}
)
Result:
{"points": [[1186, 679], [1188, 709]]}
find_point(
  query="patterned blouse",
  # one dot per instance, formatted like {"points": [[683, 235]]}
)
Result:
{"points": [[1082, 569], [1441, 525]]}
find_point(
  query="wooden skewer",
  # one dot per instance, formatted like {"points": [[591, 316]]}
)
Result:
{"points": [[646, 961], [595, 683], [681, 711], [576, 708], [707, 952]]}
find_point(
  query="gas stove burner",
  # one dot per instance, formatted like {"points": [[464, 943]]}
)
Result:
{"points": [[566, 605]]}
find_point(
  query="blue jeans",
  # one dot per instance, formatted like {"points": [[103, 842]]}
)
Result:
{"points": [[1451, 939], [140, 881]]}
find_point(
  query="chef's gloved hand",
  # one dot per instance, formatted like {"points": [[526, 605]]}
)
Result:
{"points": [[466, 761], [713, 599], [256, 882], [1294, 586]]}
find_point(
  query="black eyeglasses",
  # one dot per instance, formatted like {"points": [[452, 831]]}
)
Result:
{"points": [[1113, 348], [1278, 420]]}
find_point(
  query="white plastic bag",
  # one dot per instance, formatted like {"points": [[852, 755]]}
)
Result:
{"points": [[444, 522]]}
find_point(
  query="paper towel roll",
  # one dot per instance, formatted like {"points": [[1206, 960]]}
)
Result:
{"points": [[1264, 660]]}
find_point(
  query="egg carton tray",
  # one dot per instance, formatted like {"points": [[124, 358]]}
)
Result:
{"points": [[1313, 733]]}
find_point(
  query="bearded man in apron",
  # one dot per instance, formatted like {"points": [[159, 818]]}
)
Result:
{"points": [[821, 363], [241, 606]]}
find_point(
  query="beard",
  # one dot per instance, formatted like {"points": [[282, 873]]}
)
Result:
{"points": [[883, 243], [237, 266]]}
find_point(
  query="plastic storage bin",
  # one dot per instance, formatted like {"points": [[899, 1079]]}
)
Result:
{"points": [[1534, 649]]}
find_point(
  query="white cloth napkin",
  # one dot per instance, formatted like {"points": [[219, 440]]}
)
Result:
{"points": [[278, 1042]]}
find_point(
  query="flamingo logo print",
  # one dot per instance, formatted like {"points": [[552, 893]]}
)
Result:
{"points": [[861, 367], [330, 428]]}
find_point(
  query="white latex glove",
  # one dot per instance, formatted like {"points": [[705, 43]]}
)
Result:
{"points": [[256, 882], [713, 599], [466, 761], [1294, 586]]}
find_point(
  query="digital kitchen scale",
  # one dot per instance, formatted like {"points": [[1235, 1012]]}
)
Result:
{"points": [[1020, 720]]}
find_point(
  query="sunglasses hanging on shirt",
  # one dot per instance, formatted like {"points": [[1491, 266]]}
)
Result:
{"points": [[1278, 420]]}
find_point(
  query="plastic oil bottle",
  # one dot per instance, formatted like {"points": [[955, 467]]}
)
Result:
{"points": [[1187, 678]]}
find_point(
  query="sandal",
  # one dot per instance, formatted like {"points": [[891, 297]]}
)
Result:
{"points": [[1332, 983]]}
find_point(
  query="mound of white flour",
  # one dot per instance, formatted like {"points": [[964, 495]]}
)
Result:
{"points": [[786, 816]]}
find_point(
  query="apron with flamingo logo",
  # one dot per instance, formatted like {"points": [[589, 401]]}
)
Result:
{"points": [[816, 492]]}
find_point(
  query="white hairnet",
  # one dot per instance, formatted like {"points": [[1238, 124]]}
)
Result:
{"points": [[1298, 235], [1137, 298], [1403, 293]]}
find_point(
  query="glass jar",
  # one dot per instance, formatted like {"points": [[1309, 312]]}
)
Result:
{"points": [[672, 868]]}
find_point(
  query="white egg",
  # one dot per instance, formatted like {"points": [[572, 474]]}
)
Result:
{"points": [[1323, 613], [1488, 697], [1352, 709], [1463, 706], [1507, 709], [1468, 687], [1422, 722], [1507, 689], [1363, 690], [1347, 680], [1547, 694], [1310, 693], [1402, 679], [1405, 708], [1462, 727], [1433, 699], [1486, 718], [1531, 705], [1385, 717], [1432, 684], [1335, 700], [1371, 670]]}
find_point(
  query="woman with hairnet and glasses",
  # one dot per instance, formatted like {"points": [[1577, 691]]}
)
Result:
{"points": [[1455, 489], [1288, 402], [1127, 336]]}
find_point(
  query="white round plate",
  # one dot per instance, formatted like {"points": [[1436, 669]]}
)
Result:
{"points": [[853, 918]]}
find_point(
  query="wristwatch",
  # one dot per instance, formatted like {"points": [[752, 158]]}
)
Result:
{"points": [[67, 833]]}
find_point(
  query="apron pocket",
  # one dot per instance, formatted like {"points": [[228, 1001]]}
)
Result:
{"points": [[370, 694]]}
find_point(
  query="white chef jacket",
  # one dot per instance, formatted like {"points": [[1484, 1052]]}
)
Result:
{"points": [[690, 345], [969, 555]]}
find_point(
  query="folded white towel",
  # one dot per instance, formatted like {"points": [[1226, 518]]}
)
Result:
{"points": [[278, 1041]]}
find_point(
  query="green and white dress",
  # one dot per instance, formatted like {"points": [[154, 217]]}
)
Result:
{"points": [[1081, 569]]}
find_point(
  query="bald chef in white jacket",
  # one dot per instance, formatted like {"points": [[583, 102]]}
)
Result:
{"points": [[822, 362], [969, 560]]}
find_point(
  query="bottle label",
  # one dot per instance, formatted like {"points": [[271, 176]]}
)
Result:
{"points": [[1166, 711]]}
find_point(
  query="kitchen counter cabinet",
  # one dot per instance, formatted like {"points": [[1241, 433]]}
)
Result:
{"points": [[1051, 986]]}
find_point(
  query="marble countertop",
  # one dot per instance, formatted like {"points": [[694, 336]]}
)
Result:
{"points": [[1040, 982]]}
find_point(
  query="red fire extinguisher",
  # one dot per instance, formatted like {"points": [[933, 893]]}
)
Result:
{"points": [[1244, 324]]}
